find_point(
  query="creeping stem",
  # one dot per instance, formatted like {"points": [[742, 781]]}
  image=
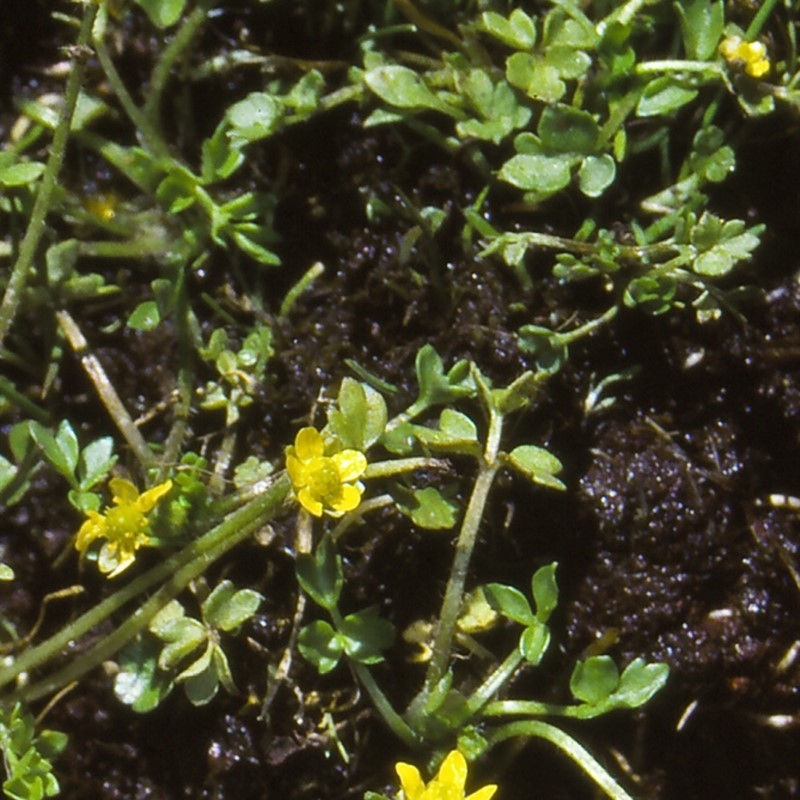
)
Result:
{"points": [[567, 745]]}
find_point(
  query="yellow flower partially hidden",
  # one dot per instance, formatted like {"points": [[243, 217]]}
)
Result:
{"points": [[447, 785], [324, 482], [749, 56], [124, 526]]}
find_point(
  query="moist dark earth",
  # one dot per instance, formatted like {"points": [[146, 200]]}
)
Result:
{"points": [[671, 543]]}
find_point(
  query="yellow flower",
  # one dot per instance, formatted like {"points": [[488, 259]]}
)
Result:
{"points": [[321, 482], [447, 785], [124, 526], [749, 56]]}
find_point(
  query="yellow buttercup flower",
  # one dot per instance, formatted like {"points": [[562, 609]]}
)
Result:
{"points": [[447, 785], [324, 482], [749, 56], [124, 526]]}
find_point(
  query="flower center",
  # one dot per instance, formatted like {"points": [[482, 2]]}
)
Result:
{"points": [[124, 521], [324, 479]]}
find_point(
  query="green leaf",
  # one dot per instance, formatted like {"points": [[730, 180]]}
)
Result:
{"points": [[547, 347], [711, 159], [436, 387], [664, 95], [201, 688], [221, 156], [319, 644], [639, 682], [360, 419], [533, 642], [594, 680], [20, 174], [518, 31], [654, 294], [96, 461], [321, 575], [7, 472], [564, 129], [177, 192], [509, 602], [163, 13], [222, 668], [20, 441], [226, 609], [545, 591], [702, 24], [430, 510], [537, 464], [519, 394], [256, 117], [497, 105], [60, 450], [365, 635], [403, 88], [596, 174], [6, 572], [183, 637], [569, 63], [457, 433], [145, 317], [533, 76], [198, 666], [544, 174], [246, 239], [138, 683]]}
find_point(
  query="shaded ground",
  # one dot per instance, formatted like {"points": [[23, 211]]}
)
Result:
{"points": [[667, 543]]}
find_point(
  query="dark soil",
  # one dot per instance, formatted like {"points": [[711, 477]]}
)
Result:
{"points": [[668, 544]]}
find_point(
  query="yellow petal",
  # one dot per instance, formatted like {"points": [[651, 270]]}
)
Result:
{"points": [[410, 781], [309, 502], [351, 464], [112, 561], [297, 471], [91, 529], [309, 444], [348, 499], [453, 771], [483, 794], [123, 491], [148, 500]]}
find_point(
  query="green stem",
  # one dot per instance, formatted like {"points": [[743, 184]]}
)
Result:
{"points": [[149, 134], [534, 708], [454, 593], [21, 401], [589, 327], [398, 725], [165, 67], [309, 276], [397, 466], [177, 571], [708, 68], [757, 23], [36, 226], [142, 247], [564, 742], [493, 683], [183, 406]]}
